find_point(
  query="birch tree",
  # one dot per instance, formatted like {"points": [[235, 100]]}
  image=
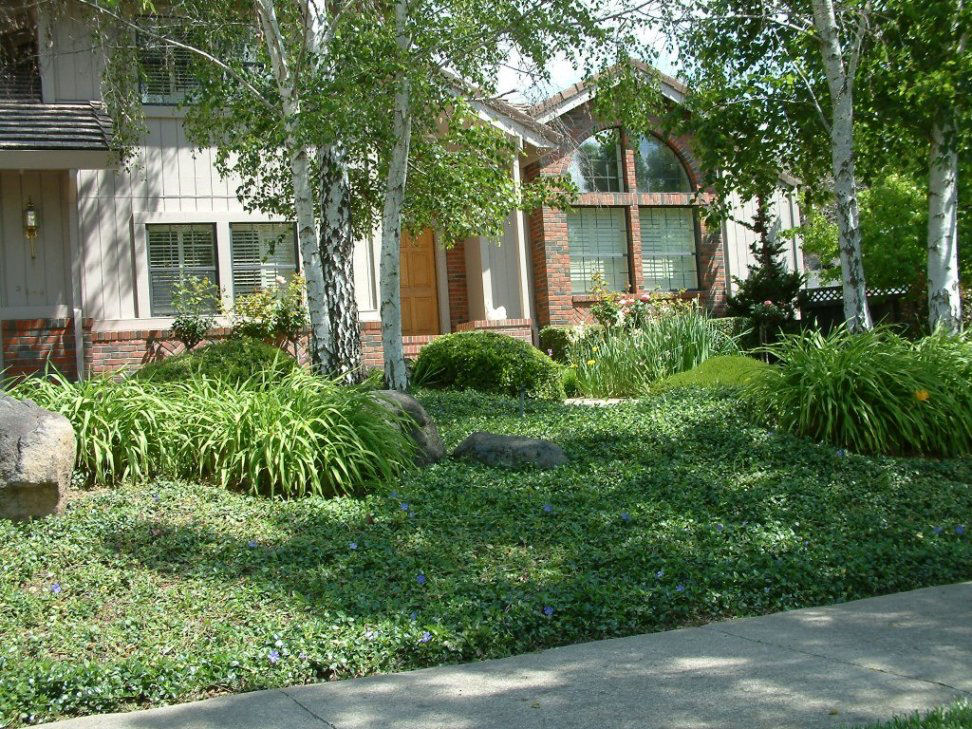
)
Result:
{"points": [[446, 53], [777, 85], [261, 67], [920, 120]]}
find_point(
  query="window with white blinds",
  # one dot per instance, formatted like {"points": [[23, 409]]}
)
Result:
{"points": [[597, 241], [175, 251], [668, 260], [166, 72], [261, 252]]}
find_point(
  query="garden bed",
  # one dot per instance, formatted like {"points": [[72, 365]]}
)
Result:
{"points": [[673, 511]]}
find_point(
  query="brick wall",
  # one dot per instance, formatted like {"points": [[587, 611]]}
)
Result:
{"points": [[555, 303], [456, 280], [29, 345], [108, 351]]}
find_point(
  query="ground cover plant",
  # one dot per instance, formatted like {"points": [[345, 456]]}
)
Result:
{"points": [[674, 510], [292, 435], [873, 392], [725, 371]]}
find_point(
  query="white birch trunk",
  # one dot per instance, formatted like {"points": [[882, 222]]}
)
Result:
{"points": [[840, 82], [396, 376], [300, 167], [337, 250], [944, 300]]}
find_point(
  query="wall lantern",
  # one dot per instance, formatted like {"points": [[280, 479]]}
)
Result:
{"points": [[30, 227]]}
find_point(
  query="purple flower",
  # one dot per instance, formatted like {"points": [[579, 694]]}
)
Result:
{"points": [[937, 530], [302, 656], [394, 494], [352, 545], [841, 453], [413, 616], [550, 353], [420, 579], [625, 516], [548, 611], [426, 637], [679, 587], [56, 588], [659, 574], [252, 544], [719, 527], [548, 508], [404, 506], [960, 529], [273, 656]]}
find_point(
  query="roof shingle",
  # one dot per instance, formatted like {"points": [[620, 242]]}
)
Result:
{"points": [[35, 126]]}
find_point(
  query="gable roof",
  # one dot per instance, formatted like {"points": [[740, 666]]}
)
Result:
{"points": [[35, 126], [573, 96]]}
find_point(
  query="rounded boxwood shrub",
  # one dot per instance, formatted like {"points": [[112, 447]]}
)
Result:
{"points": [[232, 360], [488, 362]]}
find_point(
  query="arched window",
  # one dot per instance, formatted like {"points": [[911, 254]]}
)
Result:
{"points": [[596, 165], [658, 169]]}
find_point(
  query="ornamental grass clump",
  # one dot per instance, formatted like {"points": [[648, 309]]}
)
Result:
{"points": [[874, 392], [619, 362], [289, 436]]}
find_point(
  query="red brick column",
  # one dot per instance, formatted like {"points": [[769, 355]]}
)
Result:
{"points": [[31, 345], [456, 280]]}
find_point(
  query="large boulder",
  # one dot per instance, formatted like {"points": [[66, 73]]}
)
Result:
{"points": [[429, 447], [37, 451], [510, 451]]}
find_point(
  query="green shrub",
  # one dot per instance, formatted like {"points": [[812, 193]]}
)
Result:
{"points": [[232, 360], [488, 362], [196, 301], [290, 435], [875, 392], [621, 363], [726, 371], [554, 341]]}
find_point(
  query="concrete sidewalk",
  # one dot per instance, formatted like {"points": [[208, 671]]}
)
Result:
{"points": [[820, 667]]}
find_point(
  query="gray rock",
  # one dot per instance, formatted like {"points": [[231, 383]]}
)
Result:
{"points": [[510, 451], [429, 446], [37, 451]]}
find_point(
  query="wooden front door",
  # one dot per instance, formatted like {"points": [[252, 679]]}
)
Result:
{"points": [[420, 301]]}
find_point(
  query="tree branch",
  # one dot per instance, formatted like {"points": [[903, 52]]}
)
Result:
{"points": [[185, 46]]}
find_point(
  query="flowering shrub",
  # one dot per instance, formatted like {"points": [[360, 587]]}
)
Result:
{"points": [[875, 392], [196, 302], [273, 312]]}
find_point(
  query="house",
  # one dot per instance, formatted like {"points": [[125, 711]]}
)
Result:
{"points": [[90, 249]]}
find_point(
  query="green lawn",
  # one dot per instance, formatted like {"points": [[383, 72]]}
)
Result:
{"points": [[674, 511], [956, 716]]}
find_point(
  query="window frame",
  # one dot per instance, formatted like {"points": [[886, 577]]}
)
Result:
{"points": [[144, 42], [259, 266], [215, 280], [625, 240], [636, 150], [619, 148], [696, 237]]}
